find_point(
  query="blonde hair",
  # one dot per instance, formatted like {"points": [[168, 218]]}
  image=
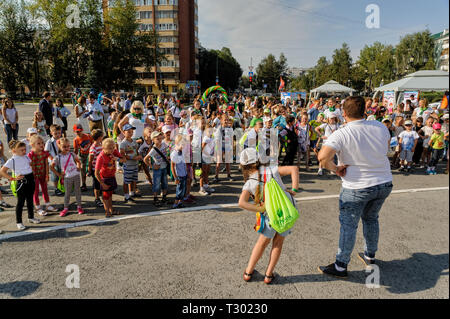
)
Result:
{"points": [[35, 138], [108, 141], [63, 141], [137, 104]]}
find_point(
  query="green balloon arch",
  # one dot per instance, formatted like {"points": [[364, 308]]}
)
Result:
{"points": [[213, 89]]}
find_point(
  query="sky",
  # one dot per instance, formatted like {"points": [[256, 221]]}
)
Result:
{"points": [[305, 30]]}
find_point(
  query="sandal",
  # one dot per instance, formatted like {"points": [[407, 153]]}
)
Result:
{"points": [[248, 275], [269, 279]]}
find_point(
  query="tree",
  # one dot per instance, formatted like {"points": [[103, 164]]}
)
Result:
{"points": [[270, 70], [341, 65], [414, 53], [222, 61]]}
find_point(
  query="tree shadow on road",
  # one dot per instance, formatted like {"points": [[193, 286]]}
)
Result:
{"points": [[18, 289], [418, 273]]}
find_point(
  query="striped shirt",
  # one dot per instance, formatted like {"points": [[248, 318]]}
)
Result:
{"points": [[95, 151]]}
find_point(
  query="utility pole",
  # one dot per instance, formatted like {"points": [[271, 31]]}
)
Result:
{"points": [[217, 70], [250, 74]]}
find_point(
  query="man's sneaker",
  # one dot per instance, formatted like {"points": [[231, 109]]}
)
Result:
{"points": [[5, 205], [34, 220], [21, 227], [332, 271], [98, 202], [64, 212], [209, 189], [320, 172], [41, 211], [80, 211], [50, 208], [365, 260], [203, 192]]}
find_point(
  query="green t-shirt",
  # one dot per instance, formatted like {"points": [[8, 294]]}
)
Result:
{"points": [[314, 124], [437, 141]]}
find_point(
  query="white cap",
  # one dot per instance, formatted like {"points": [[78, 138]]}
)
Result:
{"points": [[332, 115], [32, 130], [445, 117], [166, 129], [152, 117], [408, 122], [248, 156]]}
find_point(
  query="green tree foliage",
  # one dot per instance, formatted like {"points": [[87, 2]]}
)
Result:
{"points": [[341, 65], [229, 69], [415, 52], [270, 70]]}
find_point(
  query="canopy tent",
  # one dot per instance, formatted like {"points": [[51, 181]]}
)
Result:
{"points": [[422, 81], [331, 87]]}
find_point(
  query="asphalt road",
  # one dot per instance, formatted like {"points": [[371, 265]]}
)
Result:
{"points": [[203, 253]]}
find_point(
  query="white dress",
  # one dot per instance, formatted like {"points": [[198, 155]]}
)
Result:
{"points": [[82, 120], [139, 124]]}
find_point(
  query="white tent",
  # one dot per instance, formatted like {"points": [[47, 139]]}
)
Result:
{"points": [[331, 87], [423, 81]]}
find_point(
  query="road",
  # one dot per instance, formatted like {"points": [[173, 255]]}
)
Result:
{"points": [[201, 252]]}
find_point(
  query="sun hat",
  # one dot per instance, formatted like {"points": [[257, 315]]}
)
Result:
{"points": [[32, 130], [248, 156], [155, 134]]}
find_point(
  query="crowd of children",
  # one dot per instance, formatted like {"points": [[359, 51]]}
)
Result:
{"points": [[160, 139]]}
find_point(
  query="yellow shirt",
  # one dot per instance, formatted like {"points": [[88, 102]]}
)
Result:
{"points": [[437, 141]]}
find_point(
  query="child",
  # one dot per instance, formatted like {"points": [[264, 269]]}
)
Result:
{"points": [[64, 114], [40, 125], [52, 148], [253, 172], [39, 164], [69, 165], [112, 119], [179, 171], [129, 149], [437, 145], [325, 130], [81, 145], [426, 132], [304, 131], [189, 198], [30, 132], [19, 164], [105, 171], [225, 131], [3, 160], [143, 151], [407, 141], [94, 152], [160, 164], [314, 138], [207, 159]]}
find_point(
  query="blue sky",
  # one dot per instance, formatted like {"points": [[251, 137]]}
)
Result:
{"points": [[305, 30]]}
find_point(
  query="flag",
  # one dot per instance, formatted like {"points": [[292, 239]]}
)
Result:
{"points": [[444, 103], [281, 84]]}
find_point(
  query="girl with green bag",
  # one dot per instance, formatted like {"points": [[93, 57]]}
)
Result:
{"points": [[256, 176]]}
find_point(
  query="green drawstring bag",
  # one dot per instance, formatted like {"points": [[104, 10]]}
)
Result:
{"points": [[282, 213], [13, 184]]}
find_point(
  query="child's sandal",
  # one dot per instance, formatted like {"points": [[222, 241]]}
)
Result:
{"points": [[249, 277], [269, 279], [108, 215]]}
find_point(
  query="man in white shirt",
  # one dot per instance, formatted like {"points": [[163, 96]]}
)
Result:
{"points": [[95, 111], [363, 165]]}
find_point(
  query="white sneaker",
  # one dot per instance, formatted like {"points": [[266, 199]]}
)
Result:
{"points": [[34, 220], [209, 189], [50, 208], [320, 172], [21, 227], [203, 192], [41, 212]]}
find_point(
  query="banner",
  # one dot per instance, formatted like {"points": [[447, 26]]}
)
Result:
{"points": [[407, 96], [292, 95], [389, 100]]}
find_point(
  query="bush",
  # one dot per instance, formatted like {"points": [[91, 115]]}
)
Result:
{"points": [[432, 97]]}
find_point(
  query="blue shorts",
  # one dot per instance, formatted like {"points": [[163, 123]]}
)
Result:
{"points": [[130, 173], [269, 232], [160, 180]]}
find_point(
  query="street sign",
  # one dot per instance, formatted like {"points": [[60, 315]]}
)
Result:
{"points": [[250, 73]]}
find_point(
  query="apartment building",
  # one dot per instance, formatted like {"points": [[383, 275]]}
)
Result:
{"points": [[176, 23], [441, 52]]}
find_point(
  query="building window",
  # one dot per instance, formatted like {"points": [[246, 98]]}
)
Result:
{"points": [[167, 39], [167, 2], [166, 27], [146, 27], [140, 15]]}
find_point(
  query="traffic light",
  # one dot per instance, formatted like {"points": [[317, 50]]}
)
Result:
{"points": [[251, 79]]}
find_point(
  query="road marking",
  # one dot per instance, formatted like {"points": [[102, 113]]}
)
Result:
{"points": [[183, 210]]}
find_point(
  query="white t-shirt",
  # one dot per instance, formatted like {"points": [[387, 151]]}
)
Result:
{"points": [[363, 145], [20, 165], [71, 169], [209, 147], [329, 129]]}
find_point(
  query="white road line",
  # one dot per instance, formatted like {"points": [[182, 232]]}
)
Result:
{"points": [[183, 210]]}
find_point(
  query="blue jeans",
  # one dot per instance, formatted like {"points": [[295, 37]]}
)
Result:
{"points": [[10, 133], [160, 180], [181, 188], [359, 204]]}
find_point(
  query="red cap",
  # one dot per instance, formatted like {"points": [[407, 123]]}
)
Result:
{"points": [[77, 128]]}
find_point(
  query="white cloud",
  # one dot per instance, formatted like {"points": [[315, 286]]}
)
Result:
{"points": [[255, 28]]}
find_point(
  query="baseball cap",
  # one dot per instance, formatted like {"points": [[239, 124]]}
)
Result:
{"points": [[166, 129], [152, 117], [266, 111], [437, 126], [445, 117], [78, 128], [385, 120], [248, 156], [230, 108], [32, 130], [155, 134], [127, 127], [332, 115], [408, 122], [382, 109], [254, 121]]}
